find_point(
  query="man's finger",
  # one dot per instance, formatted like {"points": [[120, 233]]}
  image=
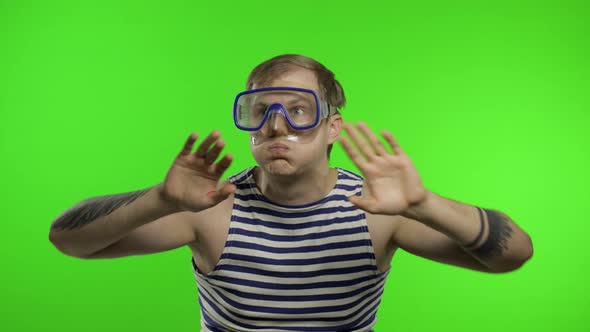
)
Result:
{"points": [[188, 145], [353, 154], [222, 165], [373, 139], [212, 154], [204, 146], [392, 142], [360, 142]]}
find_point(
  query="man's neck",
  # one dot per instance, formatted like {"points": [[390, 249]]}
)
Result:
{"points": [[296, 189]]}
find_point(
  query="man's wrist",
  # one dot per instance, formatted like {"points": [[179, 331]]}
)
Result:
{"points": [[422, 211], [166, 202]]}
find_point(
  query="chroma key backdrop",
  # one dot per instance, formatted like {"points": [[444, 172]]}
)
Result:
{"points": [[490, 99]]}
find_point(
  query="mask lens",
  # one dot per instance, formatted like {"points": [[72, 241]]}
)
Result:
{"points": [[299, 107]]}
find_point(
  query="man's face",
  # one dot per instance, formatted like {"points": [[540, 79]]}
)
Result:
{"points": [[281, 150]]}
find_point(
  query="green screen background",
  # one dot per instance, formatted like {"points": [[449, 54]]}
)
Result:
{"points": [[490, 99]]}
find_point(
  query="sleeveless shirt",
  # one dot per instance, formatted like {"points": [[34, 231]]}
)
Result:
{"points": [[293, 268]]}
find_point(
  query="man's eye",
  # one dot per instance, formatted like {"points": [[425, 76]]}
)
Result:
{"points": [[260, 109], [298, 110]]}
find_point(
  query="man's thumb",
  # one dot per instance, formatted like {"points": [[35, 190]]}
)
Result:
{"points": [[223, 193], [358, 201]]}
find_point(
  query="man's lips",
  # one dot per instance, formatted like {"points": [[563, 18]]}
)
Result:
{"points": [[278, 148]]}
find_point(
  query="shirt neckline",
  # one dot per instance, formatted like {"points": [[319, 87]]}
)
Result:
{"points": [[301, 207]]}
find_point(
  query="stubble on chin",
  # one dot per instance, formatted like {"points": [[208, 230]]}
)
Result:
{"points": [[278, 167]]}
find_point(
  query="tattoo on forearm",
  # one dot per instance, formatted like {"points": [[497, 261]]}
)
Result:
{"points": [[91, 209], [499, 231], [481, 231]]}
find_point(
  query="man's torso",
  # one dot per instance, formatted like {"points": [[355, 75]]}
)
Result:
{"points": [[212, 234]]}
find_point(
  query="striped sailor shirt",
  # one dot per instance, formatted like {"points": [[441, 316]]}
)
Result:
{"points": [[293, 268]]}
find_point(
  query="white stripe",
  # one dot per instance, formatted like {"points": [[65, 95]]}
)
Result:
{"points": [[310, 255], [291, 281], [258, 203], [298, 268], [297, 232], [288, 292], [301, 243], [296, 220]]}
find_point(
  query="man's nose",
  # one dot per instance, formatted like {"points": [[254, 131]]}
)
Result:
{"points": [[277, 123]]}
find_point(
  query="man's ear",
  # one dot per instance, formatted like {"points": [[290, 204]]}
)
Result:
{"points": [[335, 125]]}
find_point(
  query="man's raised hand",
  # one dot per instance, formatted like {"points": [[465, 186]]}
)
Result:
{"points": [[192, 183], [392, 184]]}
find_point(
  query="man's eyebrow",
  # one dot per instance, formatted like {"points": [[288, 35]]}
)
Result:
{"points": [[295, 98], [260, 103]]}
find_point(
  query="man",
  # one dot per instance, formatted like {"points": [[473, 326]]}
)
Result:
{"points": [[292, 244]]}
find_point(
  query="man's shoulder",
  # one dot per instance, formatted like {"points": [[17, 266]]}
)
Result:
{"points": [[241, 176], [349, 175], [350, 179]]}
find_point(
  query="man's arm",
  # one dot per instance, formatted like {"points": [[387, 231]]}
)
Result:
{"points": [[166, 233], [99, 222], [464, 235], [192, 185], [432, 226]]}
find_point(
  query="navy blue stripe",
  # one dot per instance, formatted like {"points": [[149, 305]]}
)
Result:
{"points": [[210, 323], [292, 238], [245, 185], [251, 185], [204, 294], [310, 285], [348, 187], [348, 175], [316, 248], [299, 298], [289, 226], [295, 214], [250, 197], [298, 311], [298, 262], [372, 311], [342, 174], [297, 274], [253, 197]]}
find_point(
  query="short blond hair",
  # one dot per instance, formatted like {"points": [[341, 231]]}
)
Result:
{"points": [[330, 89]]}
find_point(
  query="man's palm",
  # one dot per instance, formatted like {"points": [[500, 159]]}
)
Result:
{"points": [[193, 179]]}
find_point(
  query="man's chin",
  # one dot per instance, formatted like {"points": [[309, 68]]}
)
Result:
{"points": [[279, 167]]}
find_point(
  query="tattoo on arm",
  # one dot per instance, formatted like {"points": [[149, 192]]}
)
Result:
{"points": [[91, 209], [481, 231], [499, 231]]}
